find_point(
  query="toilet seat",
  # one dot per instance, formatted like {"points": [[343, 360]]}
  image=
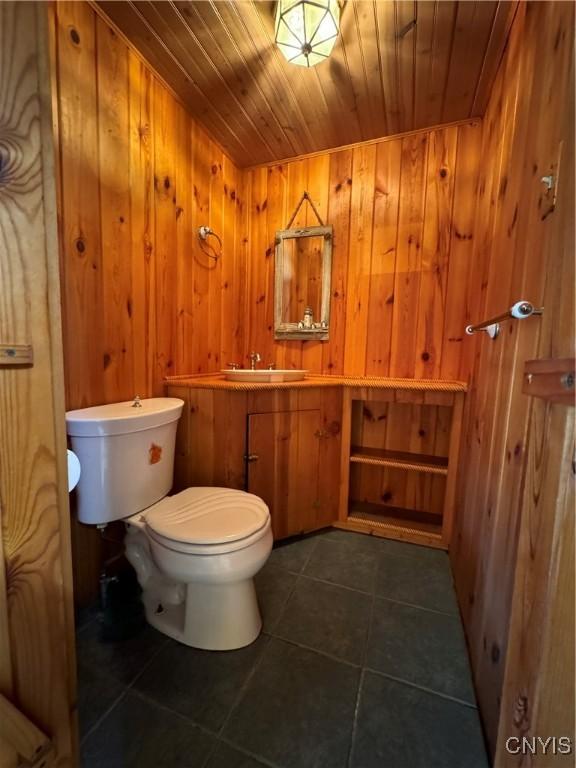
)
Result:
{"points": [[207, 521]]}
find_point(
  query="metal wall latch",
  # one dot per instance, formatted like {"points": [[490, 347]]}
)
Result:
{"points": [[16, 354], [550, 379]]}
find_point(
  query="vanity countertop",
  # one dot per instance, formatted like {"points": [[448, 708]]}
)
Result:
{"points": [[218, 381]]}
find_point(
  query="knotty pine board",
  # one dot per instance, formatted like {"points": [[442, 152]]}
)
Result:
{"points": [[403, 217], [396, 67], [522, 250], [540, 665], [138, 176]]}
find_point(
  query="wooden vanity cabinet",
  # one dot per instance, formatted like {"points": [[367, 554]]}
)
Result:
{"points": [[377, 458], [283, 445]]}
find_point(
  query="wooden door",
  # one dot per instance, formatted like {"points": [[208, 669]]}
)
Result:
{"points": [[283, 462], [37, 660]]}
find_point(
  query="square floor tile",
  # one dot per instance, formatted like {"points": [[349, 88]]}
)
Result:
{"points": [[403, 727], [293, 555], [97, 691], [226, 756], [297, 710], [425, 582], [289, 700], [202, 685], [327, 618], [85, 615], [381, 546], [139, 734], [336, 562], [122, 659], [273, 588], [416, 551], [360, 542], [423, 647]]}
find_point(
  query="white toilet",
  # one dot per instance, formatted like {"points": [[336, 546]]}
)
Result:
{"points": [[195, 553]]}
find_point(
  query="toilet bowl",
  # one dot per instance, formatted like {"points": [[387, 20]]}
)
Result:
{"points": [[196, 552], [197, 576]]}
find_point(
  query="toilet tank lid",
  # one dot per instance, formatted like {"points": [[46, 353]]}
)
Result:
{"points": [[207, 515], [123, 418]]}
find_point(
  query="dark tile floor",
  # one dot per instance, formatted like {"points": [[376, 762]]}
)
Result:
{"points": [[362, 664]]}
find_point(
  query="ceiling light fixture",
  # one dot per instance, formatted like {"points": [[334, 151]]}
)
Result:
{"points": [[306, 30]]}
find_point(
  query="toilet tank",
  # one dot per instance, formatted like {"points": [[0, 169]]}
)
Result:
{"points": [[126, 455]]}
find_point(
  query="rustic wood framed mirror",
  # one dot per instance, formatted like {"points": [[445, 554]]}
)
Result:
{"points": [[303, 266]]}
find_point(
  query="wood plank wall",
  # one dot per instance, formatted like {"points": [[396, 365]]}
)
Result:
{"points": [[141, 297], [539, 676], [520, 253], [403, 279], [138, 176]]}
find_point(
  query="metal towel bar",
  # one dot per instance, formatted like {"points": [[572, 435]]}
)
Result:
{"points": [[519, 311]]}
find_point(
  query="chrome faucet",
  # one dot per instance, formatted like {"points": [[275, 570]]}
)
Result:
{"points": [[254, 358]]}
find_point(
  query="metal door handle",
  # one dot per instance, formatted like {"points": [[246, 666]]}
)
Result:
{"points": [[250, 457]]}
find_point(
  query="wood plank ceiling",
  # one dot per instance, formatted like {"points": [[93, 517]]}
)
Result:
{"points": [[397, 66]]}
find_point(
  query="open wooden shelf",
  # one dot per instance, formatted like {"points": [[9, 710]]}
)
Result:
{"points": [[413, 518], [395, 522], [415, 462]]}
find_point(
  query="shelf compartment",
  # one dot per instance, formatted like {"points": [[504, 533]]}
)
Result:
{"points": [[415, 462], [410, 468], [395, 522], [395, 487]]}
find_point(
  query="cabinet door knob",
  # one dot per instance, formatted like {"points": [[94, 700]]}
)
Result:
{"points": [[250, 457], [320, 433]]}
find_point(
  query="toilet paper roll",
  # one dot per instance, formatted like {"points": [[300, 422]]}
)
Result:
{"points": [[73, 470]]}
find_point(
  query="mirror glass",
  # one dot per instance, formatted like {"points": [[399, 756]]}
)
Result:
{"points": [[302, 284]]}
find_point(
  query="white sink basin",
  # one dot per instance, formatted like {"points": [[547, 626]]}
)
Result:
{"points": [[274, 376]]}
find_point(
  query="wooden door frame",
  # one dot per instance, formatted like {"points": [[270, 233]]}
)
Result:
{"points": [[37, 649]]}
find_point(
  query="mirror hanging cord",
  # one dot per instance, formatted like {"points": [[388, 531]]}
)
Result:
{"points": [[305, 196]]}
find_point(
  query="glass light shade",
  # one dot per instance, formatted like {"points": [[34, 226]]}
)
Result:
{"points": [[306, 30]]}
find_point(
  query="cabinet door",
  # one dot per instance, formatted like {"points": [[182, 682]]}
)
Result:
{"points": [[283, 459]]}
